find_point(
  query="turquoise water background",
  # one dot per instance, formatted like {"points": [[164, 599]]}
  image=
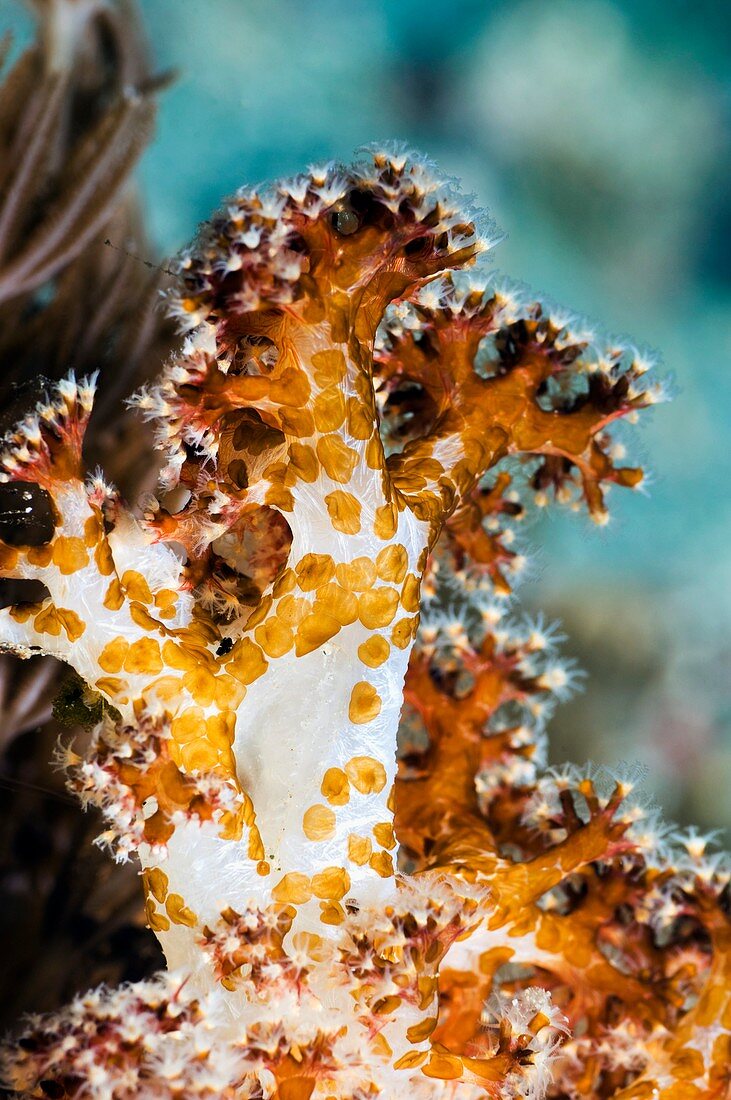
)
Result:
{"points": [[597, 132]]}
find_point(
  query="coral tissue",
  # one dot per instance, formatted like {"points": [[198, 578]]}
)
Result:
{"points": [[351, 434]]}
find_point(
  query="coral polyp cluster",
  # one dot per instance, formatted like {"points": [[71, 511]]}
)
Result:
{"points": [[350, 436]]}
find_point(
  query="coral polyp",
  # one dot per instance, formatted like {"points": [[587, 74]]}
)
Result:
{"points": [[358, 419]]}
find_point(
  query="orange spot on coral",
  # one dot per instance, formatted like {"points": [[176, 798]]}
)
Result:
{"points": [[178, 911], [188, 726], [279, 498], [199, 755], [52, 620], [229, 692], [360, 420], [21, 612], [335, 787], [142, 617], [417, 1033], [157, 882], [166, 599], [382, 864], [303, 461], [365, 703], [296, 422], [444, 1067], [386, 521], [112, 657], [314, 570], [374, 651], [293, 889], [37, 555], [178, 658], [392, 562], [329, 409], [103, 558], [328, 366], [318, 822], [260, 613], [377, 607], [71, 623], [136, 586], [92, 531], [337, 458], [292, 609], [314, 631], [155, 921], [144, 656], [383, 832], [255, 848], [410, 593], [411, 1060], [111, 686], [344, 511], [247, 662], [331, 912], [285, 582], [114, 597], [274, 637], [69, 554], [331, 884], [220, 729], [367, 774], [356, 575], [338, 602], [359, 849], [402, 633], [374, 453], [9, 558]]}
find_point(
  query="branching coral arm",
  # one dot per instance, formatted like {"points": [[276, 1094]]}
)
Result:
{"points": [[251, 637], [495, 374]]}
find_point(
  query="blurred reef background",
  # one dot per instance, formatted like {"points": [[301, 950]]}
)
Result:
{"points": [[598, 134]]}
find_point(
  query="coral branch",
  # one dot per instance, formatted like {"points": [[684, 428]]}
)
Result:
{"points": [[252, 639]]}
